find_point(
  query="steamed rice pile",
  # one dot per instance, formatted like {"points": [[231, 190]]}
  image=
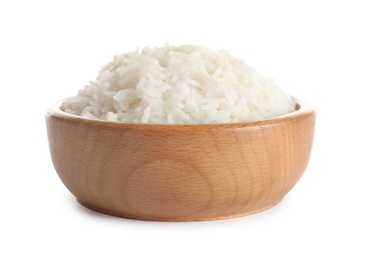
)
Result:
{"points": [[179, 85]]}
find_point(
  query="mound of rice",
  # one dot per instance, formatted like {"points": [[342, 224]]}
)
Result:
{"points": [[179, 85]]}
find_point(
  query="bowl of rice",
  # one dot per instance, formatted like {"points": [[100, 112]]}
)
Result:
{"points": [[180, 133]]}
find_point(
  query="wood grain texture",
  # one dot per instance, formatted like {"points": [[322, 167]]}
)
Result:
{"points": [[180, 172]]}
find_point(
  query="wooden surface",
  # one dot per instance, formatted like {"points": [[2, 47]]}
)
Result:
{"points": [[180, 173]]}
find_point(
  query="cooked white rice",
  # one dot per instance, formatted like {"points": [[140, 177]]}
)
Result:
{"points": [[179, 85]]}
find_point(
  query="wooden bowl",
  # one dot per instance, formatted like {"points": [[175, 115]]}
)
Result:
{"points": [[180, 172]]}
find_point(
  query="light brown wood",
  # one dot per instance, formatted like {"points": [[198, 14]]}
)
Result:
{"points": [[180, 172]]}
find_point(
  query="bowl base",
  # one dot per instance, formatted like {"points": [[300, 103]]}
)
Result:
{"points": [[191, 218]]}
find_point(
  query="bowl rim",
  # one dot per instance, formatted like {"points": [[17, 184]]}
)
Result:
{"points": [[303, 109]]}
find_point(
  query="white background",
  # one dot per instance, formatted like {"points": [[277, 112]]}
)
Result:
{"points": [[313, 49]]}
